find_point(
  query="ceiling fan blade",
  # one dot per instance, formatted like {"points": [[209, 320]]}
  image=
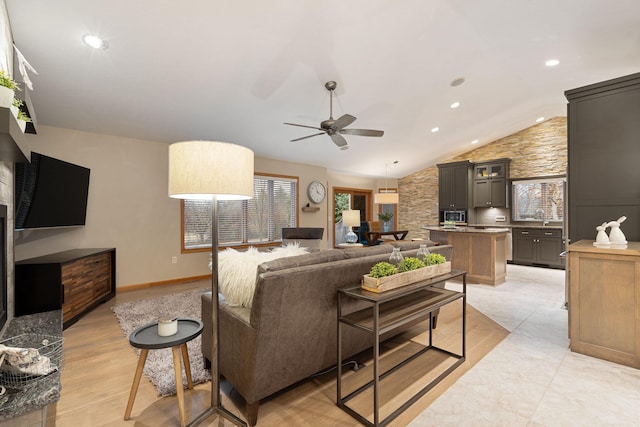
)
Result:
{"points": [[308, 136], [339, 141], [362, 132], [343, 121], [304, 126]]}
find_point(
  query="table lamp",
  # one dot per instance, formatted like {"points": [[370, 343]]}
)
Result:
{"points": [[212, 171], [351, 218]]}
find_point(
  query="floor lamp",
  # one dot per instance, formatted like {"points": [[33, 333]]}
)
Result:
{"points": [[211, 171]]}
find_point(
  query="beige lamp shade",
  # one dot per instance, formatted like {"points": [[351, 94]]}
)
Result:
{"points": [[202, 169], [386, 198], [351, 218]]}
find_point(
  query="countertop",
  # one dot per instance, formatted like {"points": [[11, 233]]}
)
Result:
{"points": [[42, 392], [543, 227], [631, 248], [470, 230]]}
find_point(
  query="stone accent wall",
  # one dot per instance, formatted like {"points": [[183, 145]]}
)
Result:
{"points": [[540, 150]]}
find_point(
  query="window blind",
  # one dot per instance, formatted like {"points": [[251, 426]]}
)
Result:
{"points": [[538, 200], [241, 222]]}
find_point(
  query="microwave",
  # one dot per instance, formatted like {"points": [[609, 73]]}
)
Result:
{"points": [[457, 216]]}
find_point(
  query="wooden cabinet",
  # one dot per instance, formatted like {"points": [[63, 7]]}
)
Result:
{"points": [[490, 184], [75, 281], [603, 129], [604, 302], [534, 246], [455, 185]]}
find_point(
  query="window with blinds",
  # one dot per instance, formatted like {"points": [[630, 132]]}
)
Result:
{"points": [[243, 222], [538, 200]]}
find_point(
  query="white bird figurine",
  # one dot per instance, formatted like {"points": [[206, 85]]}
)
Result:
{"points": [[616, 236], [602, 238]]}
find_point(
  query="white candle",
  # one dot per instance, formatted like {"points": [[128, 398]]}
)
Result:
{"points": [[167, 326]]}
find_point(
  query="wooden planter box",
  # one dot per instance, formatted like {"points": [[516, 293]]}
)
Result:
{"points": [[382, 284]]}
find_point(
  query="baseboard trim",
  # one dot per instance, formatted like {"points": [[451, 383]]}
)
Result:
{"points": [[163, 283]]}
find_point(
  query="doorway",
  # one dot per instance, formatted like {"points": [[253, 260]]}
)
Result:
{"points": [[349, 198]]}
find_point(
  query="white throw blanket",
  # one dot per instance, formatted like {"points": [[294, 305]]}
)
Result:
{"points": [[237, 271], [27, 361]]}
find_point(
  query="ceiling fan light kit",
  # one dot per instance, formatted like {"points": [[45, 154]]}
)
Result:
{"points": [[336, 128]]}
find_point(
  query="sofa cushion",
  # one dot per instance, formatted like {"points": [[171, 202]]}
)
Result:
{"points": [[321, 257], [237, 271], [367, 251]]}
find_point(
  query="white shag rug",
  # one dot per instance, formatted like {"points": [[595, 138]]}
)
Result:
{"points": [[159, 365]]}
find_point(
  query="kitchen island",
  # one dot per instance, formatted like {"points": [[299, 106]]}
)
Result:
{"points": [[482, 253]]}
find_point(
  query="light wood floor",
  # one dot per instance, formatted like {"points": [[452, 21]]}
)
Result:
{"points": [[99, 365]]}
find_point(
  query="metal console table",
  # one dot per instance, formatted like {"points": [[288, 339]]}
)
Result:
{"points": [[390, 310]]}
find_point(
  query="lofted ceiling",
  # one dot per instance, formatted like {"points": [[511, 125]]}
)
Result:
{"points": [[236, 70]]}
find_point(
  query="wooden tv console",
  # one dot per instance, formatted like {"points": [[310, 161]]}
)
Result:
{"points": [[75, 281]]}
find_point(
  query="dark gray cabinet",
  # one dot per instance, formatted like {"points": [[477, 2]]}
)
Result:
{"points": [[455, 185], [490, 184], [535, 246], [604, 154]]}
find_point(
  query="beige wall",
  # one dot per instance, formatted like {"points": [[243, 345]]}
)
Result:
{"points": [[540, 150], [129, 208]]}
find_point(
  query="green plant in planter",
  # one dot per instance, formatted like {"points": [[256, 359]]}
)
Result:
{"points": [[410, 263], [17, 102], [6, 81], [22, 116], [383, 269], [385, 216], [433, 259]]}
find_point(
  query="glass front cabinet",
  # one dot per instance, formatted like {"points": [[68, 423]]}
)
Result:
{"points": [[490, 184]]}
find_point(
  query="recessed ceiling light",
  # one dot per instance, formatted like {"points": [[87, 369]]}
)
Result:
{"points": [[457, 82], [435, 129], [95, 42], [540, 119], [475, 141], [455, 105], [552, 63]]}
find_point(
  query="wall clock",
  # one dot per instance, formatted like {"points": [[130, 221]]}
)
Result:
{"points": [[316, 192]]}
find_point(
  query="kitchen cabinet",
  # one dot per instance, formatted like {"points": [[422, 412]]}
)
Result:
{"points": [[535, 246], [455, 185], [490, 184], [603, 129]]}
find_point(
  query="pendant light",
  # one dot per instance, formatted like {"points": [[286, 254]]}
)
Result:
{"points": [[386, 198]]}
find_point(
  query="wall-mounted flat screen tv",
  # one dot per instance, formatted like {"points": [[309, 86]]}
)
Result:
{"points": [[50, 193]]}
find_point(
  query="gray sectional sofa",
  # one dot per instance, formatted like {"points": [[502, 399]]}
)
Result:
{"points": [[289, 333]]}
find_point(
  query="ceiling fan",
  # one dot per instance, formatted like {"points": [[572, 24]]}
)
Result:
{"points": [[336, 128]]}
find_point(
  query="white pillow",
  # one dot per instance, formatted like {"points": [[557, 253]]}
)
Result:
{"points": [[237, 271]]}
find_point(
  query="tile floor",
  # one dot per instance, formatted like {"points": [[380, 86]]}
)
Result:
{"points": [[532, 378]]}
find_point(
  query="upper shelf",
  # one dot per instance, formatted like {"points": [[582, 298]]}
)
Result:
{"points": [[14, 146]]}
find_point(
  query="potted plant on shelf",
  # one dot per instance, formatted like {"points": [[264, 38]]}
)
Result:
{"points": [[385, 217], [7, 89], [385, 276], [23, 119]]}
